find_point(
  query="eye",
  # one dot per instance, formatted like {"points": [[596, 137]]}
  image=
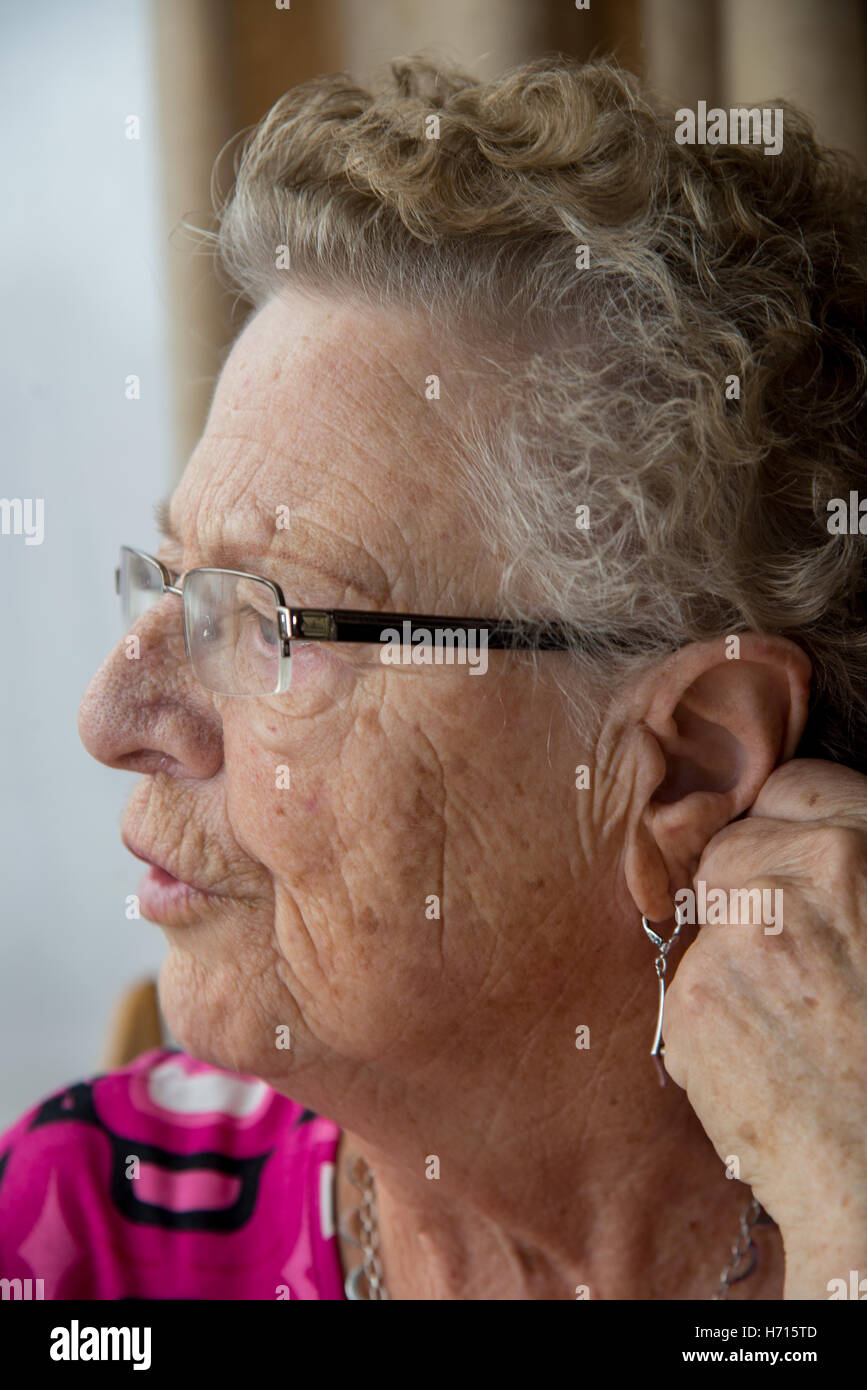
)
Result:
{"points": [[268, 630]]}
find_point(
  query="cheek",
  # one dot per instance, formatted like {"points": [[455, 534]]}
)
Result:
{"points": [[336, 810], [362, 816], [268, 807]]}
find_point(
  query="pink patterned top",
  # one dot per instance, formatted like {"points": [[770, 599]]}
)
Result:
{"points": [[170, 1178]]}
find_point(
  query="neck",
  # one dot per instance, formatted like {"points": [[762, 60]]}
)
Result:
{"points": [[610, 1192]]}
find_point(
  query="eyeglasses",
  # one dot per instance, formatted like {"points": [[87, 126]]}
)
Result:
{"points": [[239, 630]]}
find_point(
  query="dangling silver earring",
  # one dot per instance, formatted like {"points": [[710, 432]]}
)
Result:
{"points": [[657, 1051]]}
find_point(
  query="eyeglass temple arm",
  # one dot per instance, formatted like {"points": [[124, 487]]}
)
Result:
{"points": [[350, 626]]}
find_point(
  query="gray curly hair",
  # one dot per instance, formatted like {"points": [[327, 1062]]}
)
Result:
{"points": [[707, 515]]}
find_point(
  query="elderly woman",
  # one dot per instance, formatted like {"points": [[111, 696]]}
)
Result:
{"points": [[504, 641]]}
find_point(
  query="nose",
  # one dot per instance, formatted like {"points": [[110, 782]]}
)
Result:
{"points": [[144, 711]]}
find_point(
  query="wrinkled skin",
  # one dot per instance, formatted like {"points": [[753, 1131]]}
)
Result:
{"points": [[454, 1035], [766, 1030]]}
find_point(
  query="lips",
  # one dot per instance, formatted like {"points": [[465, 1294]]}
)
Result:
{"points": [[169, 875]]}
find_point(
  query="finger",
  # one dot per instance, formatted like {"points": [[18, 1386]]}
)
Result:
{"points": [[806, 789], [751, 849]]}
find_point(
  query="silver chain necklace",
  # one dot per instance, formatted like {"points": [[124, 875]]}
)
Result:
{"points": [[371, 1268], [742, 1263]]}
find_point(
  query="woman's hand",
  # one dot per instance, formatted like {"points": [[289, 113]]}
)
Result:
{"points": [[766, 1029]]}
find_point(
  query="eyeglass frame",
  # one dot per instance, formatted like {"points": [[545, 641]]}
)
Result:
{"points": [[358, 625]]}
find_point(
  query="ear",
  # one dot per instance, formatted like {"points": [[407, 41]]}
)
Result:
{"points": [[709, 731]]}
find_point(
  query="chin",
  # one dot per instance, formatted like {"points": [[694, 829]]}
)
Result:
{"points": [[201, 1019]]}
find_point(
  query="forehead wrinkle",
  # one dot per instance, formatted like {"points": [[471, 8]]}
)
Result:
{"points": [[239, 539], [263, 457], [271, 403], [335, 556]]}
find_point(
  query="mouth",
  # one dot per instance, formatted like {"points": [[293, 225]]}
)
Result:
{"points": [[163, 897]]}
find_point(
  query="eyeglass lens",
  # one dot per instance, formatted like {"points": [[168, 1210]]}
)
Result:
{"points": [[233, 633], [231, 624]]}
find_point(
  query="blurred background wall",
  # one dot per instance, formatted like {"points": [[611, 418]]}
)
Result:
{"points": [[100, 281], [83, 306]]}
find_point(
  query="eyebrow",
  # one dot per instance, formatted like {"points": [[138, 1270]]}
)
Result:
{"points": [[364, 576], [163, 519]]}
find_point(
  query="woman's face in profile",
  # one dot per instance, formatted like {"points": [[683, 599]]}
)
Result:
{"points": [[338, 826]]}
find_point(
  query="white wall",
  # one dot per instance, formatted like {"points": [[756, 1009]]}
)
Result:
{"points": [[82, 304]]}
